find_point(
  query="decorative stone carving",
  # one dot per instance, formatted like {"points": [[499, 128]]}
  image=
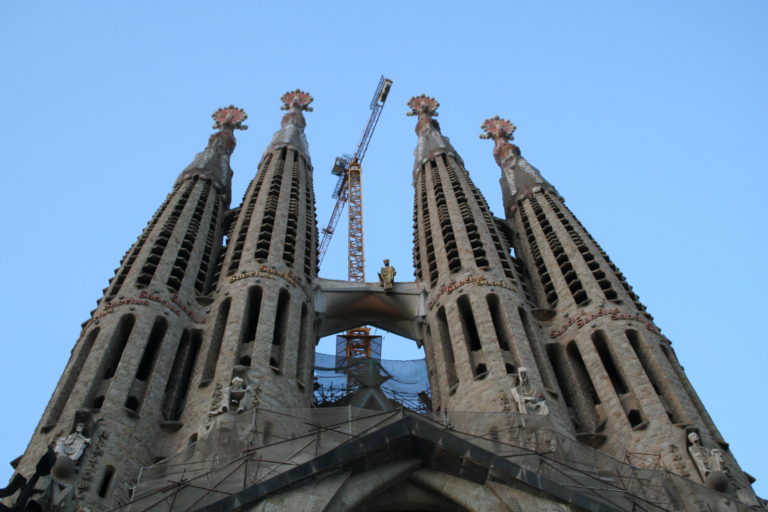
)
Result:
{"points": [[73, 445], [709, 463], [387, 276], [239, 395], [217, 407], [91, 464], [527, 399]]}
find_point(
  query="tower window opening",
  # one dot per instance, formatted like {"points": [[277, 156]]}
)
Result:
{"points": [[132, 403], [444, 335], [471, 337], [468, 323], [585, 381], [251, 318], [634, 417], [150, 351], [117, 345], [280, 330], [303, 347], [498, 324], [536, 349], [109, 473], [601, 344], [217, 335], [177, 386], [654, 375], [558, 365]]}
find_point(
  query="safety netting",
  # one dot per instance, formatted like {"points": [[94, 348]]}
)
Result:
{"points": [[405, 382]]}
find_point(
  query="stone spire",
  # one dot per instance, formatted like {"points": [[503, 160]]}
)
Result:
{"points": [[624, 390], [518, 176], [213, 162], [482, 345], [291, 132], [431, 140]]}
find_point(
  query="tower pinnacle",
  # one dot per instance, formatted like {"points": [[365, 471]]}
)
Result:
{"points": [[518, 176], [229, 118], [431, 141], [501, 131], [213, 162], [291, 132]]}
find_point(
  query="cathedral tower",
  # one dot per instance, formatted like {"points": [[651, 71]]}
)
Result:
{"points": [[480, 332], [263, 314], [129, 372], [620, 379]]}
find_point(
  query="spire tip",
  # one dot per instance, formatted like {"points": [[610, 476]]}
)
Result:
{"points": [[498, 129], [423, 105], [296, 100], [229, 117]]}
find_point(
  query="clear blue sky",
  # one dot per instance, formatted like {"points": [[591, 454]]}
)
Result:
{"points": [[649, 117]]}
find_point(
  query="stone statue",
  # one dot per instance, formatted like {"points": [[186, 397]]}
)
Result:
{"points": [[708, 462], [239, 391], [527, 400], [73, 445], [387, 276]]}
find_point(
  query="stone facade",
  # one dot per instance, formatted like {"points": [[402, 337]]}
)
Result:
{"points": [[618, 375], [538, 352]]}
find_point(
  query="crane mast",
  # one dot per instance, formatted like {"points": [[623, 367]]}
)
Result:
{"points": [[349, 188]]}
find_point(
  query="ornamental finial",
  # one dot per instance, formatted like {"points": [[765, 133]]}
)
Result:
{"points": [[498, 129], [229, 117], [296, 100], [423, 104]]}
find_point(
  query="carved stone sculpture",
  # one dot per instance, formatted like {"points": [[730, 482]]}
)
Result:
{"points": [[708, 462], [73, 445], [527, 400], [387, 276], [239, 392]]}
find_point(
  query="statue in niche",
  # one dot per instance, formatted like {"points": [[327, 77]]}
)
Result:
{"points": [[709, 462], [527, 400], [73, 445], [239, 393], [238, 398], [387, 277]]}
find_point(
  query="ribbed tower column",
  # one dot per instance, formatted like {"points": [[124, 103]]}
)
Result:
{"points": [[261, 329], [129, 371], [479, 330], [621, 381]]}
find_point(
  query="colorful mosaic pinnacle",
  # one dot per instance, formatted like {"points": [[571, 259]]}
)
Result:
{"points": [[497, 129], [229, 117], [296, 100], [423, 104]]}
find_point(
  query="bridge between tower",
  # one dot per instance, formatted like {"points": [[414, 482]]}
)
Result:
{"points": [[344, 305]]}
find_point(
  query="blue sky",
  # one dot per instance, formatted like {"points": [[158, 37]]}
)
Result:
{"points": [[650, 118]]}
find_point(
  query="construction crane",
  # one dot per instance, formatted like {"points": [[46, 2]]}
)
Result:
{"points": [[349, 189]]}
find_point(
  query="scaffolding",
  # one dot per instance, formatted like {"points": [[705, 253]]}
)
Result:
{"points": [[338, 377], [240, 451]]}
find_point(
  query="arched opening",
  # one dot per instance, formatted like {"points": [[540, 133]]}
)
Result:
{"points": [[399, 362]]}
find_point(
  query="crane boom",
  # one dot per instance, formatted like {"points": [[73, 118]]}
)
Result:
{"points": [[349, 186]]}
